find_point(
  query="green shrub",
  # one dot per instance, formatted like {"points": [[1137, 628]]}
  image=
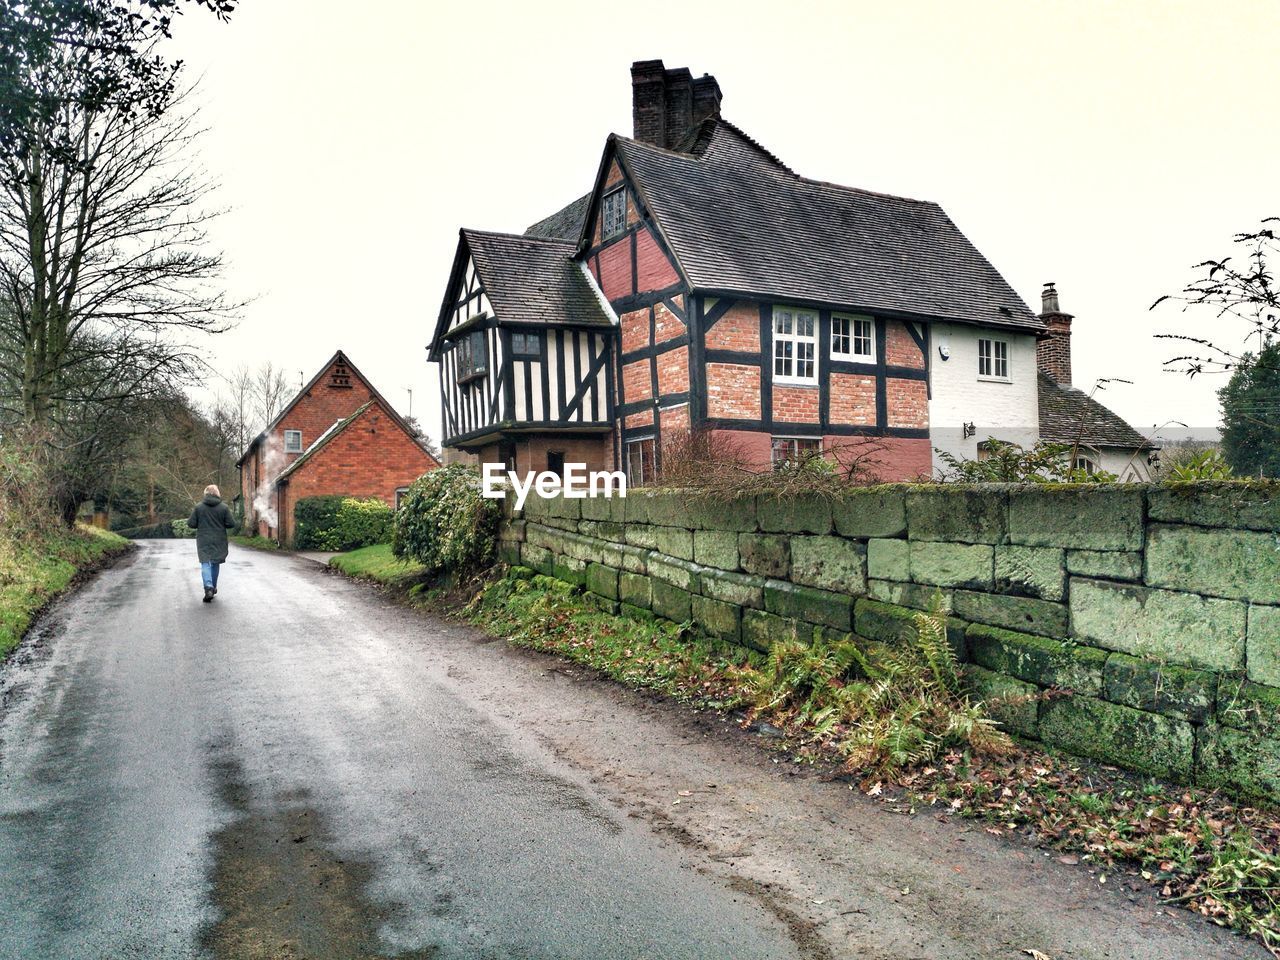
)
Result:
{"points": [[445, 524], [180, 529], [340, 523]]}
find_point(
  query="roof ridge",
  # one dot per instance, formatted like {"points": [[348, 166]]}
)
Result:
{"points": [[472, 231], [832, 185]]}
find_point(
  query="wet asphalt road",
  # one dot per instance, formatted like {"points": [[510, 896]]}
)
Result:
{"points": [[282, 774]]}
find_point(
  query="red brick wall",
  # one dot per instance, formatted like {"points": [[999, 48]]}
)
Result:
{"points": [[615, 269], [907, 402], [673, 372], [635, 329], [595, 450], [653, 269], [733, 391], [738, 329], [888, 458], [795, 404], [853, 398], [637, 381], [642, 418], [667, 326], [900, 350], [674, 422], [372, 457]]}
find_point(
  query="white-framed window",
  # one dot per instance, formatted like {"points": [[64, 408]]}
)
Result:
{"points": [[473, 360], [641, 467], [993, 359], [613, 215], [795, 345], [1086, 464], [853, 337], [526, 344], [401, 493], [793, 449], [293, 441]]}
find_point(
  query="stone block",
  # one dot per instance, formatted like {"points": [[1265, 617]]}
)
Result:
{"points": [[797, 514], [909, 594], [884, 622], [672, 602], [1039, 660], [1087, 517], [1160, 688], [1244, 762], [1237, 564], [866, 512], [1011, 703], [603, 529], [678, 573], [764, 554], [538, 558], [1131, 738], [1026, 614], [1105, 564], [741, 589], [737, 516], [668, 508], [761, 630], [674, 542], [1249, 706], [830, 563], [1235, 505], [1035, 571], [569, 569], [567, 524], [641, 535], [717, 619], [808, 604], [634, 559], [640, 614], [599, 508], [958, 514], [602, 580], [1179, 628], [888, 560], [1262, 657], [603, 604], [951, 564], [567, 508], [716, 548], [513, 530], [509, 552], [635, 589]]}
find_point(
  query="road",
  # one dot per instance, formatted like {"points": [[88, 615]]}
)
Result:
{"points": [[305, 769]]}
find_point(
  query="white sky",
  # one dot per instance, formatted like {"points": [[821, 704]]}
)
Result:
{"points": [[1106, 146]]}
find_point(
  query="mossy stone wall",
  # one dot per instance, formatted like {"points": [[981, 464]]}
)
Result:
{"points": [[1152, 613]]}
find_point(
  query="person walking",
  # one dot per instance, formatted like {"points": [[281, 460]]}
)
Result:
{"points": [[211, 520]]}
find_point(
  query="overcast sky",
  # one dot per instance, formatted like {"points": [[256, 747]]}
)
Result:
{"points": [[1105, 146]]}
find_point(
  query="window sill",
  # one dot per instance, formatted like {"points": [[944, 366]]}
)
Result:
{"points": [[853, 357], [792, 382], [466, 381], [982, 379]]}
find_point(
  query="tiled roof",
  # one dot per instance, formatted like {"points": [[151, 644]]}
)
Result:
{"points": [[739, 220], [1068, 415], [530, 280], [564, 224]]}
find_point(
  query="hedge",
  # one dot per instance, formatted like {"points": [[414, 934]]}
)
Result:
{"points": [[445, 524], [340, 523]]}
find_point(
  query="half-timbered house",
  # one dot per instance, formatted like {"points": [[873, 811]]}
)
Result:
{"points": [[707, 286]]}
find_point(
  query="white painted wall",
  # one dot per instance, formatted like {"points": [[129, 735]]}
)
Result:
{"points": [[1005, 410]]}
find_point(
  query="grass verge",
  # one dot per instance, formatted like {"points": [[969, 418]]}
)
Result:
{"points": [[254, 543], [33, 574], [377, 563]]}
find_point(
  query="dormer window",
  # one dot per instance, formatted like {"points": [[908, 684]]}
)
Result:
{"points": [[613, 216], [473, 362], [293, 441]]}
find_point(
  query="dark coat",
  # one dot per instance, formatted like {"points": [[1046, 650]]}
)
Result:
{"points": [[211, 520]]}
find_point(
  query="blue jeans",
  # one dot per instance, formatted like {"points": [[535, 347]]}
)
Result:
{"points": [[209, 573]]}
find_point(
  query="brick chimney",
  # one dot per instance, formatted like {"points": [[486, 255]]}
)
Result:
{"points": [[667, 104], [1053, 352]]}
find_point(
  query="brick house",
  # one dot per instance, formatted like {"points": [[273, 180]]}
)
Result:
{"points": [[704, 285], [338, 436]]}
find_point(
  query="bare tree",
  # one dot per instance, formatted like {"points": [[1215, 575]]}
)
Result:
{"points": [[270, 393], [1242, 289]]}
